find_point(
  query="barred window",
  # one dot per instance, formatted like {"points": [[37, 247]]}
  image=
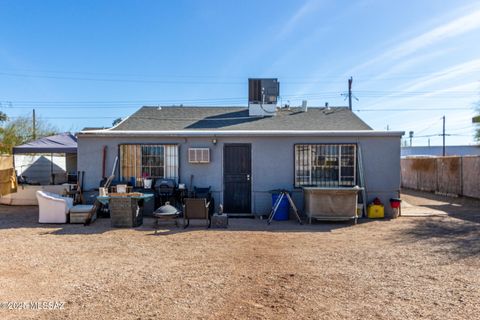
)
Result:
{"points": [[152, 160], [325, 165]]}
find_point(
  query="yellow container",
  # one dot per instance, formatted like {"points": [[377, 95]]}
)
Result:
{"points": [[375, 211]]}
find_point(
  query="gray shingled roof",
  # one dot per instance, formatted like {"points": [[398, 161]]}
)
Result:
{"points": [[237, 118]]}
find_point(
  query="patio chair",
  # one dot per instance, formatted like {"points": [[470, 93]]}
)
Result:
{"points": [[52, 207], [195, 208], [206, 193]]}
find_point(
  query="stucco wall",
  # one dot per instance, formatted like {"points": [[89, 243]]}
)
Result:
{"points": [[272, 163]]}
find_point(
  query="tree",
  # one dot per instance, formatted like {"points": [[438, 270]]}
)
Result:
{"points": [[3, 118], [20, 131], [116, 121], [476, 121]]}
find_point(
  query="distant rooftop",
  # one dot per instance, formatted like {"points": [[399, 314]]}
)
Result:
{"points": [[237, 118], [93, 128], [438, 151]]}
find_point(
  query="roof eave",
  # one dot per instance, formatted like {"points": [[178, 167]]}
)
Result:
{"points": [[201, 133]]}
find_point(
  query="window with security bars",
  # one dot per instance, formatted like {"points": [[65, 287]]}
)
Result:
{"points": [[325, 165], [148, 160]]}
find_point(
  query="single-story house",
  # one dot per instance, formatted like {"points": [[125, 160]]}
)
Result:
{"points": [[245, 152]]}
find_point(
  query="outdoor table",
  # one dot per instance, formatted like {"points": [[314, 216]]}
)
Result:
{"points": [[126, 210], [150, 205]]}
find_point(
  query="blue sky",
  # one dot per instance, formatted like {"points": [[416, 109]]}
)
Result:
{"points": [[85, 63]]}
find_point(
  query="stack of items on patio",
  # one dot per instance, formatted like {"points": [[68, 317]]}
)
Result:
{"points": [[198, 205], [126, 206], [54, 208]]}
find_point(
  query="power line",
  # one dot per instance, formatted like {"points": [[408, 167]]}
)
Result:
{"points": [[118, 80], [412, 109], [72, 118], [138, 105], [112, 117], [313, 96], [10, 102], [428, 127], [403, 75], [157, 81]]}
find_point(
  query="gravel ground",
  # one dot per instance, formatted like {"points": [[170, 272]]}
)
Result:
{"points": [[408, 268]]}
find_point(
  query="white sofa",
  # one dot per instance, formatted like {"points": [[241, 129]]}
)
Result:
{"points": [[52, 207]]}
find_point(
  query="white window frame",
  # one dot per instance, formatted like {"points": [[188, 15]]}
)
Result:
{"points": [[170, 161], [308, 165]]}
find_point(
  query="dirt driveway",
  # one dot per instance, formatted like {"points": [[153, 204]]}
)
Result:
{"points": [[408, 268]]}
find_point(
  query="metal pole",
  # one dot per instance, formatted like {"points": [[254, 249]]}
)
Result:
{"points": [[443, 134], [350, 93], [34, 131], [51, 169]]}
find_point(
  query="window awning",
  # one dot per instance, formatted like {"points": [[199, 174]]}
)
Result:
{"points": [[60, 143]]}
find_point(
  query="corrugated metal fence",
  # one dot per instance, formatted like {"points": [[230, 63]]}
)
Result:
{"points": [[448, 175]]}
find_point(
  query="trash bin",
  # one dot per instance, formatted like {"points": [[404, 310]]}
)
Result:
{"points": [[283, 208], [395, 205]]}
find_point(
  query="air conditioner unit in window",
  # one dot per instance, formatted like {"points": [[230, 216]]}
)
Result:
{"points": [[198, 155]]}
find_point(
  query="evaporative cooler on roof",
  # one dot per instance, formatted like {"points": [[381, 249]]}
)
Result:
{"points": [[263, 91], [262, 97]]}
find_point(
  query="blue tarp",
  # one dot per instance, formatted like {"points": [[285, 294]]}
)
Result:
{"points": [[60, 143]]}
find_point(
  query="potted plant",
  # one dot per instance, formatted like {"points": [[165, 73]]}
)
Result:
{"points": [[147, 181]]}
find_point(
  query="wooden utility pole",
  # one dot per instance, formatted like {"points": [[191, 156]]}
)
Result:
{"points": [[443, 134], [34, 130], [350, 93]]}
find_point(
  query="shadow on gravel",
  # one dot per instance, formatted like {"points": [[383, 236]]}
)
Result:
{"points": [[238, 225], [459, 238], [14, 217]]}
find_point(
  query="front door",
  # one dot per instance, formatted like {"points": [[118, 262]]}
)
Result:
{"points": [[237, 170]]}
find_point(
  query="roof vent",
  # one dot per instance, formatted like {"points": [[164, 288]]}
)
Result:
{"points": [[304, 105], [328, 110]]}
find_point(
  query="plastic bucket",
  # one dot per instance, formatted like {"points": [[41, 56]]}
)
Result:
{"points": [[147, 183], [283, 208], [395, 203], [133, 181]]}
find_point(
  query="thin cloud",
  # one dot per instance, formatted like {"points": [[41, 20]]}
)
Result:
{"points": [[471, 86], [453, 72], [306, 9], [456, 71], [450, 29], [403, 65]]}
